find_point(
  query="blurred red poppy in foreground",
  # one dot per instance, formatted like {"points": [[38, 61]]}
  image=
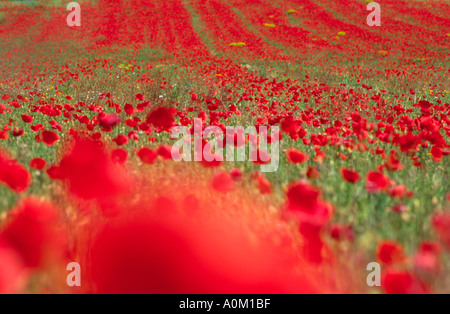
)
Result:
{"points": [[389, 252], [402, 282], [13, 174], [33, 229], [89, 171], [12, 271], [156, 254]]}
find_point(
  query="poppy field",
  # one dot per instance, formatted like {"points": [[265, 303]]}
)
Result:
{"points": [[356, 119]]}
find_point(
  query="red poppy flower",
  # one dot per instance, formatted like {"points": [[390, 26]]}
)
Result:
{"points": [[146, 155], [38, 163], [145, 127], [436, 152], [108, 120], [13, 174], [428, 257], [54, 173], [129, 110], [161, 117], [4, 135], [263, 185], [342, 232], [399, 191], [37, 127], [120, 140], [312, 173], [96, 136], [376, 181], [350, 176], [390, 252], [12, 271], [27, 118], [408, 142], [306, 205], [441, 223], [17, 132], [342, 156], [236, 174], [90, 172], [402, 282], [128, 256], [400, 208], [48, 137], [32, 229], [165, 151], [296, 157]]}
